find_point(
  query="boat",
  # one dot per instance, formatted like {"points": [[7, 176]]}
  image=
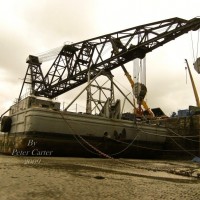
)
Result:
{"points": [[37, 126]]}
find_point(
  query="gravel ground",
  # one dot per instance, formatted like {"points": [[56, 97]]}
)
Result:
{"points": [[90, 179]]}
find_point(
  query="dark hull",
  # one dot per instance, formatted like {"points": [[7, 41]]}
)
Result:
{"points": [[43, 144]]}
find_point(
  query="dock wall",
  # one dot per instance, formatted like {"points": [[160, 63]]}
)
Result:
{"points": [[184, 136]]}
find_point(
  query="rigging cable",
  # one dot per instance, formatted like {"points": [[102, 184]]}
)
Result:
{"points": [[194, 59], [188, 152], [128, 145], [184, 137], [99, 152], [197, 44], [94, 148], [75, 135], [192, 46]]}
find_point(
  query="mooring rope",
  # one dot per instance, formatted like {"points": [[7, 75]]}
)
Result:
{"points": [[128, 145], [153, 149], [188, 152], [90, 145], [183, 137], [75, 135], [99, 152]]}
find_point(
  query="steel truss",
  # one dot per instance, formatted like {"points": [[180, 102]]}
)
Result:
{"points": [[72, 65]]}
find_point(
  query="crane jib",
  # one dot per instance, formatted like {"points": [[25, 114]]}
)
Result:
{"points": [[72, 64]]}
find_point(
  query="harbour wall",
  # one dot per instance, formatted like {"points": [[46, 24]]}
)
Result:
{"points": [[184, 137]]}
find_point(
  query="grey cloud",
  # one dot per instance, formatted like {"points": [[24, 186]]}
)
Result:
{"points": [[48, 24]]}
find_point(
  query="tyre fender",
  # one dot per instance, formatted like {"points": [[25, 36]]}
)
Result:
{"points": [[6, 124]]}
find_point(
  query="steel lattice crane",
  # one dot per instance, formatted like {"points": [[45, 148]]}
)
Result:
{"points": [[104, 53]]}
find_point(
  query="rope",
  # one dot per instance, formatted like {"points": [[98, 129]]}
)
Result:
{"points": [[106, 155], [75, 135], [192, 46], [183, 148], [99, 152], [92, 152], [130, 144], [197, 44], [184, 137], [91, 146], [177, 135], [163, 135], [102, 153], [123, 86], [153, 149]]}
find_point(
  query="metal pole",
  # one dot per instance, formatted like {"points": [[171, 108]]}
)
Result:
{"points": [[83, 90], [88, 101], [124, 95]]}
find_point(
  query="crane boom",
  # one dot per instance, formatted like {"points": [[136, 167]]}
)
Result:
{"points": [[116, 50], [71, 66], [193, 85]]}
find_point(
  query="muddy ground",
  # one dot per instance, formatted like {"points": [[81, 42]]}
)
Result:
{"points": [[91, 178]]}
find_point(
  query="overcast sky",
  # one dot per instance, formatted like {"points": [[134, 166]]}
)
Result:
{"points": [[31, 27]]}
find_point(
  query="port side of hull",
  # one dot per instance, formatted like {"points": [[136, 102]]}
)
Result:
{"points": [[77, 134], [56, 144], [41, 120]]}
